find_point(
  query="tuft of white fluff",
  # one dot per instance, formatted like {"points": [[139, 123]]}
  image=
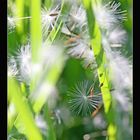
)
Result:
{"points": [[80, 49], [109, 15], [78, 15], [24, 60], [117, 37], [81, 101], [48, 18], [121, 72]]}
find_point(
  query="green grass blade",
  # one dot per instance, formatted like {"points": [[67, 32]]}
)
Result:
{"points": [[36, 35], [23, 109], [101, 60]]}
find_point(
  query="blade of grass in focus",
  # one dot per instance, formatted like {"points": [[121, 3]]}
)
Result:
{"points": [[101, 61]]}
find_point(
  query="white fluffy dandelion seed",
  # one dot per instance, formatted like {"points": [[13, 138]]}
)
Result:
{"points": [[117, 37], [121, 72], [24, 60], [109, 15], [48, 18], [79, 48], [78, 15], [89, 60], [65, 30], [114, 38], [82, 99]]}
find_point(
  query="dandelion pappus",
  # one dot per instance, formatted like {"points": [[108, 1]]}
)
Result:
{"points": [[82, 99]]}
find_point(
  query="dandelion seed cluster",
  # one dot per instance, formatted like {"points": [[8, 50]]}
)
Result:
{"points": [[109, 17], [81, 101]]}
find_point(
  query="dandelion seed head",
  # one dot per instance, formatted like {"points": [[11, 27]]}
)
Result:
{"points": [[80, 100]]}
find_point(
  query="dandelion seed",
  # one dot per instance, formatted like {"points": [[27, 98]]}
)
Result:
{"points": [[81, 101], [24, 60], [121, 71], [109, 15], [89, 60], [117, 37], [65, 30], [76, 20], [48, 18], [79, 48], [78, 15]]}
